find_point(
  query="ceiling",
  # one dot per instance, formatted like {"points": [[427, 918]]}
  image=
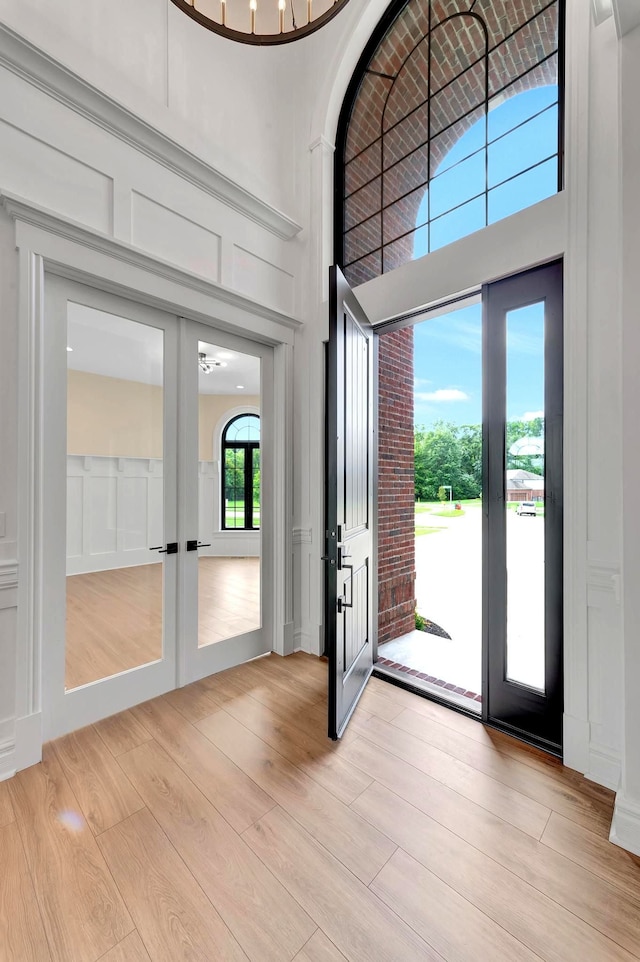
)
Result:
{"points": [[118, 347]]}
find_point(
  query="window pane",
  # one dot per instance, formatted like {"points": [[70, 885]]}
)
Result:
{"points": [[115, 494], [533, 141], [362, 240], [465, 220], [458, 142], [526, 48], [245, 428], [362, 204], [464, 94], [522, 191], [234, 488], [515, 105], [400, 218], [364, 269], [363, 168], [458, 184], [524, 496], [410, 173]]}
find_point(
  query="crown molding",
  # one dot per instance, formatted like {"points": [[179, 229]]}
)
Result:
{"points": [[38, 68], [25, 212]]}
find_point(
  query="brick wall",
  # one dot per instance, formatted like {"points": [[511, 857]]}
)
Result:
{"points": [[411, 109], [396, 537]]}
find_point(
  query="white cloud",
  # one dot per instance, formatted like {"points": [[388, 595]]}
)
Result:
{"points": [[531, 415], [421, 382], [443, 394]]}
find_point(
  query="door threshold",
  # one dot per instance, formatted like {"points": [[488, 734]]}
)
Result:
{"points": [[464, 706]]}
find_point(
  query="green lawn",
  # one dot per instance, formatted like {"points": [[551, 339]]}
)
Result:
{"points": [[435, 506], [425, 529]]}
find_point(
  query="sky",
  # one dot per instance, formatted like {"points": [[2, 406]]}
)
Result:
{"points": [[448, 349], [448, 366]]}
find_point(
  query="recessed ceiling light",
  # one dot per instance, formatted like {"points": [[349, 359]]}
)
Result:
{"points": [[240, 387], [69, 348]]}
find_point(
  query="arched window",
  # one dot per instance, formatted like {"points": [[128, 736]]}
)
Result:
{"points": [[451, 122], [241, 473]]}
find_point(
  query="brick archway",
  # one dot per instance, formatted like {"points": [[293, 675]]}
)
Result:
{"points": [[434, 74], [432, 71]]}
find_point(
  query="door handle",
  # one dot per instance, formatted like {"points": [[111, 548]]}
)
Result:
{"points": [[172, 548], [342, 602], [194, 545], [342, 554]]}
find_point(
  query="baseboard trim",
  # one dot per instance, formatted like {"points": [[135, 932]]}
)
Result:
{"points": [[302, 642], [28, 748], [605, 767], [7, 759], [625, 826]]}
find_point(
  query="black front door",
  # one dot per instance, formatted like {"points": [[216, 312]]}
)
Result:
{"points": [[522, 504], [349, 547]]}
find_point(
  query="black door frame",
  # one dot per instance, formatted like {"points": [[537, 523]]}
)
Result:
{"points": [[531, 715], [525, 287]]}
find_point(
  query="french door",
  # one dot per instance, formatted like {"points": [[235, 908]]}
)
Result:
{"points": [[132, 495]]}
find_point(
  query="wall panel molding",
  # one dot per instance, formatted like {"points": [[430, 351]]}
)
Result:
{"points": [[233, 311], [36, 67], [8, 576]]}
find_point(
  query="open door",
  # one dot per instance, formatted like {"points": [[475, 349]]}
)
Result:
{"points": [[350, 623]]}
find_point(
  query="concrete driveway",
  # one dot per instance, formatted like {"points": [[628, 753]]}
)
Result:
{"points": [[449, 592]]}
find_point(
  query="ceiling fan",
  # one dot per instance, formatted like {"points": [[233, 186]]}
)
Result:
{"points": [[209, 364]]}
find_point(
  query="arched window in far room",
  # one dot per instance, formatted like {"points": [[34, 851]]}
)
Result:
{"points": [[451, 123], [241, 473]]}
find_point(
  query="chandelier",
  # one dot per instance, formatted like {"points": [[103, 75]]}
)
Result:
{"points": [[261, 21], [208, 364]]}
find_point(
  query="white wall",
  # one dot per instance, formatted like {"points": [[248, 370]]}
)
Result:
{"points": [[115, 514], [182, 79]]}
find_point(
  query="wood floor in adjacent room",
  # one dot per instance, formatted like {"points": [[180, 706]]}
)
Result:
{"points": [[218, 823], [114, 618]]}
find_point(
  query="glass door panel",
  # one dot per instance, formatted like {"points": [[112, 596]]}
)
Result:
{"points": [[109, 504], [223, 573], [524, 496], [115, 494], [522, 535]]}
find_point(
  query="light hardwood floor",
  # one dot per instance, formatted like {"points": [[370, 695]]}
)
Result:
{"points": [[114, 618], [219, 823]]}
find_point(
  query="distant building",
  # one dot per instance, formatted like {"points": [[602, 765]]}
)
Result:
{"points": [[524, 486]]}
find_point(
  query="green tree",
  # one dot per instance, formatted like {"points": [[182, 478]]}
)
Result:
{"points": [[437, 460]]}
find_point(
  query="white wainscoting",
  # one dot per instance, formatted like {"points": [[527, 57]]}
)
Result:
{"points": [[114, 514]]}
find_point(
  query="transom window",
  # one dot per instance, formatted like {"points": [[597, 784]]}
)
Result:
{"points": [[451, 123], [241, 473]]}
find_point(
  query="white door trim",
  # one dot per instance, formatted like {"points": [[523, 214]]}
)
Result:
{"points": [[48, 243]]}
